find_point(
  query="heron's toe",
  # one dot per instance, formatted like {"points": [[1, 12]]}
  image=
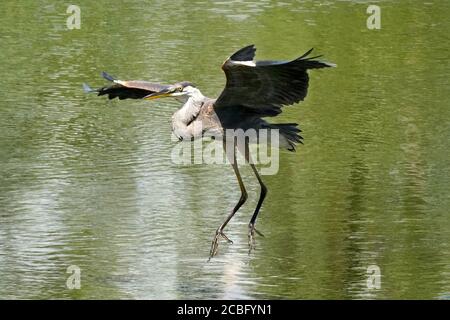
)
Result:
{"points": [[224, 236], [215, 243], [251, 237]]}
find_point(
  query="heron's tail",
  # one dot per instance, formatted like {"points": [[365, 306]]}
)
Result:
{"points": [[289, 134]]}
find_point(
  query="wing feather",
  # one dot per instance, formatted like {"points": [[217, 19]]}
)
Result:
{"points": [[265, 86], [131, 89]]}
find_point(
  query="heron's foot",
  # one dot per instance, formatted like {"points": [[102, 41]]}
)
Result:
{"points": [[251, 237], [215, 242]]}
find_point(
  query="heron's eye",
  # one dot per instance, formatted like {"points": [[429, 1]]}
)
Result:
{"points": [[180, 89]]}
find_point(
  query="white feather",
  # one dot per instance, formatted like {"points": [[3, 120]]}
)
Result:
{"points": [[244, 63]]}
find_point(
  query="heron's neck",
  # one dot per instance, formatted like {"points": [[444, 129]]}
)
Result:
{"points": [[195, 95], [192, 105]]}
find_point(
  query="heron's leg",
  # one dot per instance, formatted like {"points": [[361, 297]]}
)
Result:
{"points": [[251, 226], [242, 199]]}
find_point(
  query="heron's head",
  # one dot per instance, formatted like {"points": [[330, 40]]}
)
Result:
{"points": [[181, 91]]}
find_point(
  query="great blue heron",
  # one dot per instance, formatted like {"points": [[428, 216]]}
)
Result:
{"points": [[253, 90]]}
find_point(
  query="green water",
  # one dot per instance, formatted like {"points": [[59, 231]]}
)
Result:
{"points": [[89, 182]]}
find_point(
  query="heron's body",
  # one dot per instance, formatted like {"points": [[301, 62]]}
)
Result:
{"points": [[196, 118], [254, 90]]}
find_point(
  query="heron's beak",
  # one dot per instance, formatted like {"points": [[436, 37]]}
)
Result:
{"points": [[161, 94]]}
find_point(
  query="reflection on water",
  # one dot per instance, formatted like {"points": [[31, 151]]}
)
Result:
{"points": [[89, 182]]}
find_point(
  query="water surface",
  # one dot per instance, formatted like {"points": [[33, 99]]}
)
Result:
{"points": [[89, 182]]}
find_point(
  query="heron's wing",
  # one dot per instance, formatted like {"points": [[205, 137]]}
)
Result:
{"points": [[265, 86], [133, 89]]}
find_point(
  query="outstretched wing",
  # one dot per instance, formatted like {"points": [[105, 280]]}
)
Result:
{"points": [[134, 89], [265, 86]]}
